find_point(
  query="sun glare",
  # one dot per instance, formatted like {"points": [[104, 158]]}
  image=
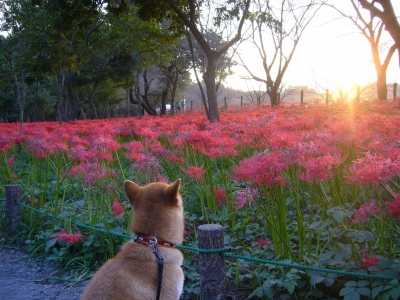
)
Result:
{"points": [[330, 55]]}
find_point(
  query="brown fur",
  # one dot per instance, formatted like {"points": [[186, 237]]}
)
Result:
{"points": [[132, 273]]}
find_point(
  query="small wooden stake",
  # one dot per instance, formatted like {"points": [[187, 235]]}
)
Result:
{"points": [[13, 210], [212, 265]]}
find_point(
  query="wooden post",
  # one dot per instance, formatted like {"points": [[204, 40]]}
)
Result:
{"points": [[127, 103], [13, 210], [327, 96], [212, 265], [241, 101], [394, 90], [301, 97], [226, 106]]}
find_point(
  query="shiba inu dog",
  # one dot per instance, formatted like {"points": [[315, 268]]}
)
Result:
{"points": [[134, 273]]}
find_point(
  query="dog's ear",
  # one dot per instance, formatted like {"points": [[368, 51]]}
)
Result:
{"points": [[132, 191], [172, 191]]}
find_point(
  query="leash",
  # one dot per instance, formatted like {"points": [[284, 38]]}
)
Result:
{"points": [[152, 242]]}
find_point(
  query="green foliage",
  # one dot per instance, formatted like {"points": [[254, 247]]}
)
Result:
{"points": [[81, 47]]}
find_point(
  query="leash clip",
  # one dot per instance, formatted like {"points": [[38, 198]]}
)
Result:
{"points": [[153, 242]]}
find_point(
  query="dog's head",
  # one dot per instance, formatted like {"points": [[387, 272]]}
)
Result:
{"points": [[157, 210]]}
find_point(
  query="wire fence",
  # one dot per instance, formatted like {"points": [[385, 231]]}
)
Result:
{"points": [[224, 251]]}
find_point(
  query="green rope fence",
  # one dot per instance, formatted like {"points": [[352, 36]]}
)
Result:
{"points": [[223, 251]]}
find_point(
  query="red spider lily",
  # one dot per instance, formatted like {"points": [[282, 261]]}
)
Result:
{"points": [[282, 140], [146, 132], [262, 169], [368, 260], [195, 173], [72, 238], [4, 144], [105, 144], [262, 242], [373, 170], [92, 171], [245, 196], [156, 147], [365, 211], [318, 168], [135, 150], [394, 207], [220, 195], [219, 147], [10, 161], [40, 147], [200, 139], [175, 158], [117, 209], [148, 165], [9, 137]]}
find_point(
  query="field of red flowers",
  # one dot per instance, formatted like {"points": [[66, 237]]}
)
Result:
{"points": [[316, 185]]}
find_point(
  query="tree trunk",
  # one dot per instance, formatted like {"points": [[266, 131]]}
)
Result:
{"points": [[209, 79], [173, 91], [59, 82], [72, 110], [203, 97], [273, 95], [381, 84], [164, 101]]}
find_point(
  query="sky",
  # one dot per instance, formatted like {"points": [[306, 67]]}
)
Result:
{"points": [[331, 52]]}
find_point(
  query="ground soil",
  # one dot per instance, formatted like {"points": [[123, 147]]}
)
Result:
{"points": [[24, 278]]}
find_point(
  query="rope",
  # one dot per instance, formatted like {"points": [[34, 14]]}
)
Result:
{"points": [[310, 268], [222, 252], [284, 264], [200, 250], [75, 223]]}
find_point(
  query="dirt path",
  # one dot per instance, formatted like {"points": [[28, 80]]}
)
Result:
{"points": [[22, 279]]}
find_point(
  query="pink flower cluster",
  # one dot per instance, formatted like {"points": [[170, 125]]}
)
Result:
{"points": [[148, 166], [262, 242], [93, 172], [195, 173], [373, 169], [68, 237], [245, 196], [368, 209], [262, 169], [117, 209], [394, 207], [368, 260], [220, 195]]}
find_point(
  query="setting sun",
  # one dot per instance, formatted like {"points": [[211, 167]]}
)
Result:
{"points": [[332, 53]]}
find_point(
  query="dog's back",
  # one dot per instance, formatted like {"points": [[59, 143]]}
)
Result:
{"points": [[133, 273]]}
